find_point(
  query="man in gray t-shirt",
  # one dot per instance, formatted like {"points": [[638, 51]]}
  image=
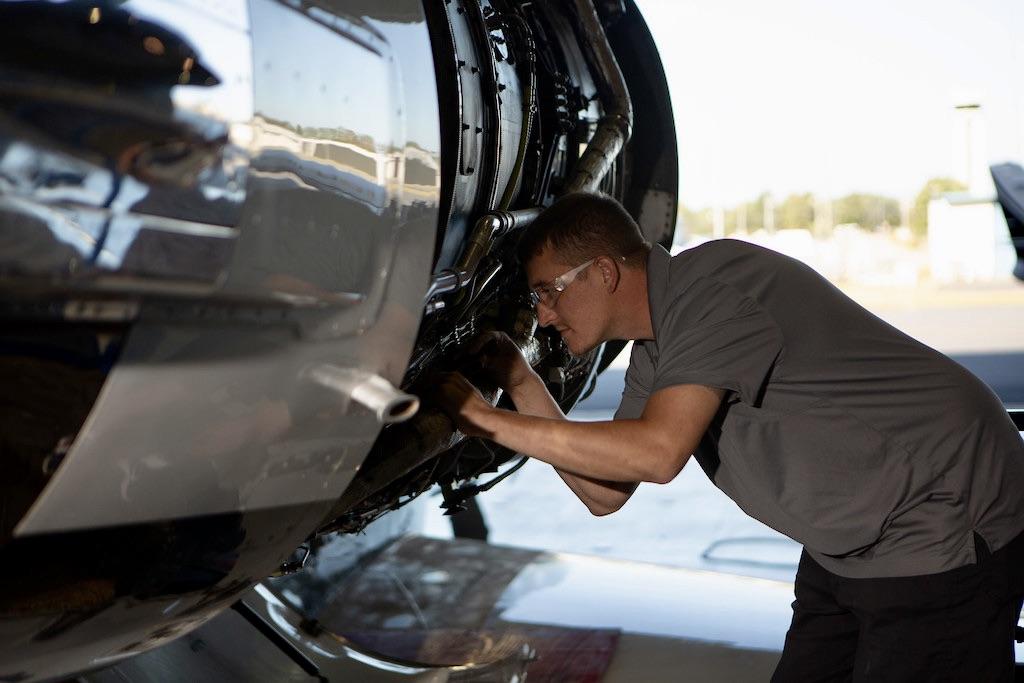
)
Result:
{"points": [[898, 470]]}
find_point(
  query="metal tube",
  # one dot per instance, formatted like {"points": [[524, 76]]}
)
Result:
{"points": [[369, 390], [487, 228], [616, 125], [448, 281]]}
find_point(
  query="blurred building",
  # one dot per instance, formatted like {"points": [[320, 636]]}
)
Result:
{"points": [[968, 240]]}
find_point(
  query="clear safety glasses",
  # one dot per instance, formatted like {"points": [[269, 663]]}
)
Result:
{"points": [[548, 294]]}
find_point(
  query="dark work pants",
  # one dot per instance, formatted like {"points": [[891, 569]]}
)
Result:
{"points": [[953, 626]]}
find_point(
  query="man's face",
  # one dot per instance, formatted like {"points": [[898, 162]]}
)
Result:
{"points": [[574, 312]]}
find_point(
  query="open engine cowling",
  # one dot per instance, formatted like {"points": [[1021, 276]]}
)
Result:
{"points": [[216, 221]]}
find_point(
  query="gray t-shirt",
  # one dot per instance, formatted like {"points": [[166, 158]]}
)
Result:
{"points": [[881, 455]]}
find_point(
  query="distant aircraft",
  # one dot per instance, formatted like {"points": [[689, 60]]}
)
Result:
{"points": [[1009, 182]]}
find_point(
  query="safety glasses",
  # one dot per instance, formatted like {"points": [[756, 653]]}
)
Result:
{"points": [[548, 294]]}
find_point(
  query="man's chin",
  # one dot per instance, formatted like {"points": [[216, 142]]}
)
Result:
{"points": [[578, 349]]}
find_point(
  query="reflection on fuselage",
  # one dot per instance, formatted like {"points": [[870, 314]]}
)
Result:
{"points": [[448, 602], [352, 170]]}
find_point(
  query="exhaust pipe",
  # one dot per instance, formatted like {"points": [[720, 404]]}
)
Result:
{"points": [[616, 125], [369, 390]]}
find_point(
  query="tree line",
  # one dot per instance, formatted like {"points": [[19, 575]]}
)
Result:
{"points": [[804, 210]]}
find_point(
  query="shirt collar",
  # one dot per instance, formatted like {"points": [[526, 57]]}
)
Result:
{"points": [[658, 267]]}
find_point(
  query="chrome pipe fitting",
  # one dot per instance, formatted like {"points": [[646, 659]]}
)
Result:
{"points": [[370, 390]]}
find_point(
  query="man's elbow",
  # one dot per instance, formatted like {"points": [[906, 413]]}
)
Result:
{"points": [[663, 476], [612, 503], [605, 510], [666, 468]]}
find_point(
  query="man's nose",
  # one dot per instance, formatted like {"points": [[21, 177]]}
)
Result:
{"points": [[545, 314]]}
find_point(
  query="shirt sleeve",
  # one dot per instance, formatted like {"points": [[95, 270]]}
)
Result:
{"points": [[639, 376], [714, 335]]}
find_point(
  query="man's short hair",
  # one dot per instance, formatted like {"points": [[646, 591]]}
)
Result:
{"points": [[580, 226]]}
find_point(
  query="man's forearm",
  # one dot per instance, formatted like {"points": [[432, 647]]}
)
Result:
{"points": [[600, 496], [653, 447], [587, 450], [615, 450]]}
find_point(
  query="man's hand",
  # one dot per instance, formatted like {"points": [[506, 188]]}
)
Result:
{"points": [[463, 403], [501, 361]]}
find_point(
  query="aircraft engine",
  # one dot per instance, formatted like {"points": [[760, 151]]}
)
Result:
{"points": [[236, 237]]}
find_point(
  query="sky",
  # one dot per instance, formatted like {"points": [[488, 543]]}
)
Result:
{"points": [[835, 97]]}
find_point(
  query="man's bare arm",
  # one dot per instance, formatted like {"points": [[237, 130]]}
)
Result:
{"points": [[601, 497], [651, 448]]}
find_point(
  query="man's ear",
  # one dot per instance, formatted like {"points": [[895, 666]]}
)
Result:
{"points": [[609, 273]]}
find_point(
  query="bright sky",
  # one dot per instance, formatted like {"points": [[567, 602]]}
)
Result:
{"points": [[834, 97]]}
